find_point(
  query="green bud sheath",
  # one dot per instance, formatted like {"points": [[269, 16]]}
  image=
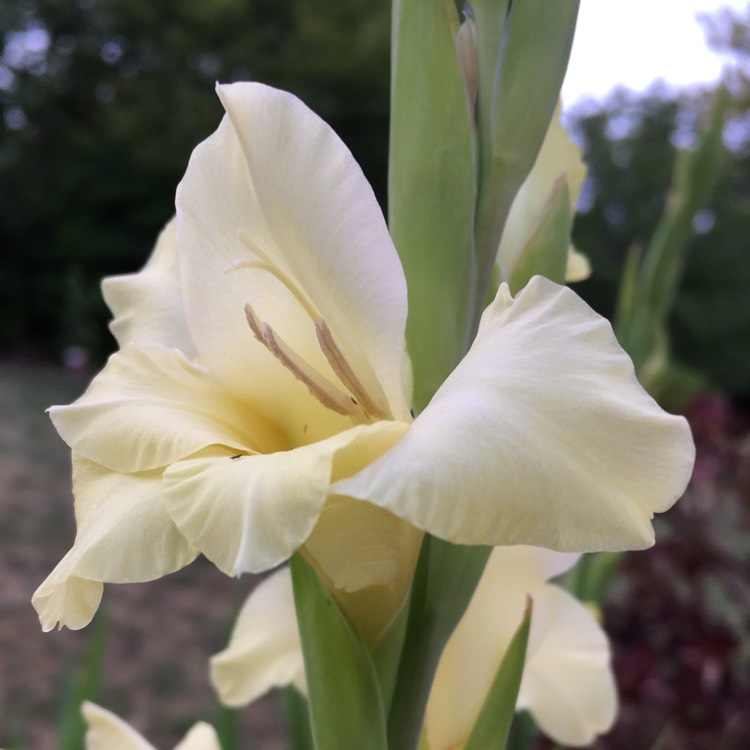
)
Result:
{"points": [[431, 187]]}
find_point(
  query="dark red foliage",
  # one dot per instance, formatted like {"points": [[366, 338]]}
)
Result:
{"points": [[679, 613]]}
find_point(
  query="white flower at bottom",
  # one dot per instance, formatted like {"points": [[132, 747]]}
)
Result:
{"points": [[108, 732], [567, 684], [265, 650]]}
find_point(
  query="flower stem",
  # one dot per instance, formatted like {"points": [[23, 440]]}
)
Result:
{"points": [[444, 583]]}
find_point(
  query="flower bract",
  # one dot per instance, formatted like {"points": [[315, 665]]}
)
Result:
{"points": [[558, 159]]}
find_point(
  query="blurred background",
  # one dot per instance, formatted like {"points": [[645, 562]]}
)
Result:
{"points": [[102, 102]]}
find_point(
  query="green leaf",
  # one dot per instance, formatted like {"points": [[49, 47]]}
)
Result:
{"points": [[523, 732], [85, 688], [386, 652], [493, 725], [444, 583], [346, 708], [297, 717], [546, 252], [639, 323], [627, 293], [431, 187], [227, 727], [589, 579]]}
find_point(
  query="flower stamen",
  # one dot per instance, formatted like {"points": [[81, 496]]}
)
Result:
{"points": [[345, 373], [321, 388]]}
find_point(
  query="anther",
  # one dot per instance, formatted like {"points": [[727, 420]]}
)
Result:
{"points": [[340, 365], [321, 388]]}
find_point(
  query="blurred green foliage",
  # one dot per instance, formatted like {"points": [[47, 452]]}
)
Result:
{"points": [[652, 278], [103, 101], [630, 146]]}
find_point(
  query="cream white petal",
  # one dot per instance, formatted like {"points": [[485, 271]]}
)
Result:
{"points": [[551, 564], [147, 305], [108, 732], [274, 212], [124, 535], [150, 406], [578, 267], [367, 557], [542, 435], [264, 651], [251, 513], [201, 736], [475, 651], [66, 600], [558, 157], [358, 545], [568, 685]]}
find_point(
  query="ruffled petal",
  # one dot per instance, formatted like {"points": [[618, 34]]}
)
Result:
{"points": [[147, 305], [264, 651], [150, 407], [274, 212], [67, 599], [542, 435], [108, 732], [124, 536], [251, 513], [558, 157], [568, 685]]}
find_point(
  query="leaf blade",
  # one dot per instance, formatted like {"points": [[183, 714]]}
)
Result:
{"points": [[492, 728], [346, 708]]}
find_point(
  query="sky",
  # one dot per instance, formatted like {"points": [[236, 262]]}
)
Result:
{"points": [[635, 42]]}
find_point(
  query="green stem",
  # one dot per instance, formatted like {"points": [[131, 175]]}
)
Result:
{"points": [[444, 583]]}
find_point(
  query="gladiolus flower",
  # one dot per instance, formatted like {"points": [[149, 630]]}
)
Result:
{"points": [[262, 390]]}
